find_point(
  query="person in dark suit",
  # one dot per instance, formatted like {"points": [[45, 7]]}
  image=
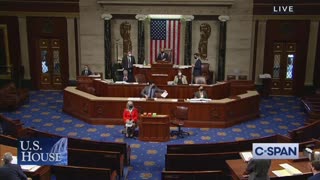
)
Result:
{"points": [[163, 56], [201, 93], [197, 66], [127, 64], [11, 171], [86, 71], [258, 169], [315, 168], [151, 90]]}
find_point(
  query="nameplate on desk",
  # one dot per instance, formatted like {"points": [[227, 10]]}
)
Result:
{"points": [[159, 75], [199, 100], [165, 100], [136, 99]]}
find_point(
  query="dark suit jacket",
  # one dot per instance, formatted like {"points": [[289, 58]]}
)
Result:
{"points": [[145, 91], [258, 169], [315, 177], [197, 94], [83, 73], [12, 172], [163, 56], [197, 68], [125, 63]]}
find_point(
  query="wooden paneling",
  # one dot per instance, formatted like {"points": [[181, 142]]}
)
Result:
{"points": [[13, 42], [288, 32], [316, 73], [300, 7], [154, 128], [50, 28], [104, 110], [40, 6]]}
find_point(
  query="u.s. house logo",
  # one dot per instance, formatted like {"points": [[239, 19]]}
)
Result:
{"points": [[43, 151]]}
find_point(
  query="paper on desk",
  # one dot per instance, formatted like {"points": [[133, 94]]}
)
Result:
{"points": [[281, 173], [30, 168], [164, 94], [246, 156], [290, 169]]}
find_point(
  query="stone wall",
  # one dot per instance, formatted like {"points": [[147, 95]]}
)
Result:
{"points": [[239, 31]]}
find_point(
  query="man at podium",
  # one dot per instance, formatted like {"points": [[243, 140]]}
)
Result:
{"points": [[163, 56]]}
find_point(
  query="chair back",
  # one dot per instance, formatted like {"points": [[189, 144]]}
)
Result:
{"points": [[231, 77], [205, 69], [181, 112], [169, 52], [140, 78], [242, 77], [200, 80]]}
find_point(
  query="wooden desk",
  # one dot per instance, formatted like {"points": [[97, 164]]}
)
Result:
{"points": [[160, 74], [215, 113], [43, 173], [238, 166], [216, 91], [155, 128]]}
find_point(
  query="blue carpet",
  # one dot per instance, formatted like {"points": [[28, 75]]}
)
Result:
{"points": [[44, 112]]}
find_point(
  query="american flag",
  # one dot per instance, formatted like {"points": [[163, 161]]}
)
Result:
{"points": [[165, 34]]}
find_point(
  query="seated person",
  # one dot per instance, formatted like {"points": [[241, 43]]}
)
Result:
{"points": [[151, 90], [315, 168], [11, 171], [180, 78], [258, 169], [163, 56], [201, 93], [125, 76], [86, 71], [130, 118]]}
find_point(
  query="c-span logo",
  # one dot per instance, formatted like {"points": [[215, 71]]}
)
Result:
{"points": [[275, 150], [43, 151]]}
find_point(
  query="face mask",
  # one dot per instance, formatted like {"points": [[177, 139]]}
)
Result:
{"points": [[130, 106], [179, 74], [162, 51], [195, 57], [201, 89], [86, 69]]}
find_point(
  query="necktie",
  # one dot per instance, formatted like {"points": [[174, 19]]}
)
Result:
{"points": [[129, 63]]}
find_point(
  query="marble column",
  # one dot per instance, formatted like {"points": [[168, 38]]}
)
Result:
{"points": [[222, 47], [188, 40], [107, 45], [141, 38]]}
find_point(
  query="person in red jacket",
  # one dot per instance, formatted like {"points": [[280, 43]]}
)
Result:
{"points": [[130, 118]]}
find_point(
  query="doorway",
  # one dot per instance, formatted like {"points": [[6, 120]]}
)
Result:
{"points": [[284, 58], [49, 53]]}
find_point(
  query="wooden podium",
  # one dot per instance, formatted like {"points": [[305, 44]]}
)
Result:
{"points": [[154, 128], [161, 73]]}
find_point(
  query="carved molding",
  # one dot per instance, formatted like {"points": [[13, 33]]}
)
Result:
{"points": [[224, 18], [106, 16], [141, 17], [168, 2]]}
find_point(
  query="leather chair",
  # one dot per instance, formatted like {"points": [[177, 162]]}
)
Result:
{"points": [[205, 70], [242, 77], [180, 115], [140, 78], [200, 80], [12, 97], [231, 77]]}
